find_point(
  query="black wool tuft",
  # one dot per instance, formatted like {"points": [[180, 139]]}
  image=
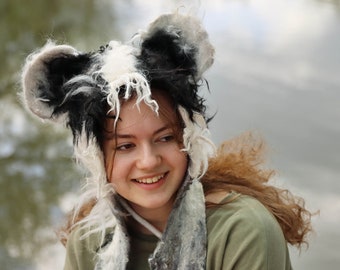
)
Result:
{"points": [[74, 92], [59, 71], [169, 63], [167, 51], [85, 105]]}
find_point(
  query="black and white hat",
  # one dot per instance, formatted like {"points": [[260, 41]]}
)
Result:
{"points": [[65, 85]]}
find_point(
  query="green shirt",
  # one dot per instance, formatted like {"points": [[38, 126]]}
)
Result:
{"points": [[242, 235]]}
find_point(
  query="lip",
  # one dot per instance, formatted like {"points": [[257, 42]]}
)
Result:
{"points": [[149, 180], [154, 185]]}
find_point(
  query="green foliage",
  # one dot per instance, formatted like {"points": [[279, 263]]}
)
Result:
{"points": [[36, 166]]}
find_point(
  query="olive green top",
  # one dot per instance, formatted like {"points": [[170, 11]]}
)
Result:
{"points": [[242, 235]]}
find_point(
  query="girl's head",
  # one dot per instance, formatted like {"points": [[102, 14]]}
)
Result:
{"points": [[143, 153]]}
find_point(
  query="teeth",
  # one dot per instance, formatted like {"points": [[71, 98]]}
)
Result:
{"points": [[149, 180]]}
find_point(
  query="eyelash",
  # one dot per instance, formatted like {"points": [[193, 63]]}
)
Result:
{"points": [[124, 147], [127, 146], [167, 138]]}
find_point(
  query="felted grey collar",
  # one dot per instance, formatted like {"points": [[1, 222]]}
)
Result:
{"points": [[183, 243]]}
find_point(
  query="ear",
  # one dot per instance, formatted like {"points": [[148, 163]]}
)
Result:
{"points": [[176, 41], [44, 75]]}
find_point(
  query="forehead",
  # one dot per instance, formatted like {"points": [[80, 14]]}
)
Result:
{"points": [[133, 114]]}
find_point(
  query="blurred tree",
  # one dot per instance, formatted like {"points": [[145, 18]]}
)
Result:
{"points": [[36, 168]]}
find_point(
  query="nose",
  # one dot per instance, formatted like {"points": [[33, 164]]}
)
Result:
{"points": [[148, 157]]}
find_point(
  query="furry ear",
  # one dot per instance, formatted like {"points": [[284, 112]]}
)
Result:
{"points": [[176, 41], [44, 76]]}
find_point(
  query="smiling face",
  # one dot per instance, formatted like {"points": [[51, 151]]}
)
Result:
{"points": [[143, 157]]}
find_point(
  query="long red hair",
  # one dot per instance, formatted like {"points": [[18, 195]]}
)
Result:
{"points": [[238, 166]]}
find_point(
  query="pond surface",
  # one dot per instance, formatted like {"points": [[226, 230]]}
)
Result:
{"points": [[276, 72]]}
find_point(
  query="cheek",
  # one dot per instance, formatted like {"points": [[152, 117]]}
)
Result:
{"points": [[118, 168], [180, 160]]}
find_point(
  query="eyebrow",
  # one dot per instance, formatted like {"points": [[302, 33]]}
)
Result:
{"points": [[125, 136]]}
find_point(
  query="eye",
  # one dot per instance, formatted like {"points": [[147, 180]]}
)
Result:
{"points": [[124, 147], [167, 138]]}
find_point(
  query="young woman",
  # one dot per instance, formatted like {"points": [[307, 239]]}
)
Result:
{"points": [[159, 195]]}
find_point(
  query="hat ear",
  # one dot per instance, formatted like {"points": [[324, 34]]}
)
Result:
{"points": [[44, 75], [176, 41]]}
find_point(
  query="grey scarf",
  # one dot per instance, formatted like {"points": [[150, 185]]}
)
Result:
{"points": [[183, 243]]}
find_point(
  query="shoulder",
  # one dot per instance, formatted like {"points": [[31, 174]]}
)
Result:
{"points": [[82, 248], [81, 237], [246, 234], [241, 209]]}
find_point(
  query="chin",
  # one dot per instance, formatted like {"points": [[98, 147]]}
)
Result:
{"points": [[156, 204]]}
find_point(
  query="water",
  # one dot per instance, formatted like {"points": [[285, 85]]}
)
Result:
{"points": [[276, 72]]}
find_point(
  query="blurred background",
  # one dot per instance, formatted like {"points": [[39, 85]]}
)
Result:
{"points": [[276, 72]]}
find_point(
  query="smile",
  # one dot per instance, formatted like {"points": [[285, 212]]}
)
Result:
{"points": [[150, 180]]}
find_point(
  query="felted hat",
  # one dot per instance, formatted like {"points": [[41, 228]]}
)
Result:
{"points": [[64, 85]]}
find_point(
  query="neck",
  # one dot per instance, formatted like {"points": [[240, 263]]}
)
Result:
{"points": [[136, 226], [157, 217]]}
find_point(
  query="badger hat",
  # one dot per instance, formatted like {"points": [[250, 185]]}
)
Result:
{"points": [[78, 89]]}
